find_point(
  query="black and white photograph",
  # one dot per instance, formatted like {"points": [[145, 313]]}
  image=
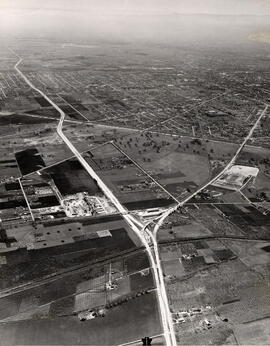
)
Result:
{"points": [[134, 172]]}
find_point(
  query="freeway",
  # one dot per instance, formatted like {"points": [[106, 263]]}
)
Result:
{"points": [[160, 220], [188, 198], [147, 238], [231, 162], [166, 317]]}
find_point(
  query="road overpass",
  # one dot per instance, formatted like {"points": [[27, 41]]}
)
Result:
{"points": [[135, 225]]}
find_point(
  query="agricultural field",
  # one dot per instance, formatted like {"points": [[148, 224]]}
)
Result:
{"points": [[46, 305], [118, 321], [55, 246], [130, 183], [200, 221], [117, 157], [254, 254], [211, 299]]}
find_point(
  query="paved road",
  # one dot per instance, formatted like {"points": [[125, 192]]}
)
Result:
{"points": [[166, 317], [142, 232], [232, 161], [187, 199], [145, 172], [26, 199], [191, 108], [153, 235]]}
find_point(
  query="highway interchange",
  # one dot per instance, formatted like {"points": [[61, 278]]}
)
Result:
{"points": [[166, 318], [148, 238]]}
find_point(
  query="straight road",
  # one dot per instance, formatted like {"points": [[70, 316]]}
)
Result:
{"points": [[145, 172], [232, 161], [134, 224], [187, 199], [153, 235], [26, 199], [166, 318]]}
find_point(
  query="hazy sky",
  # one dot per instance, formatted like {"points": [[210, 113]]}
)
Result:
{"points": [[143, 6], [120, 18]]}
